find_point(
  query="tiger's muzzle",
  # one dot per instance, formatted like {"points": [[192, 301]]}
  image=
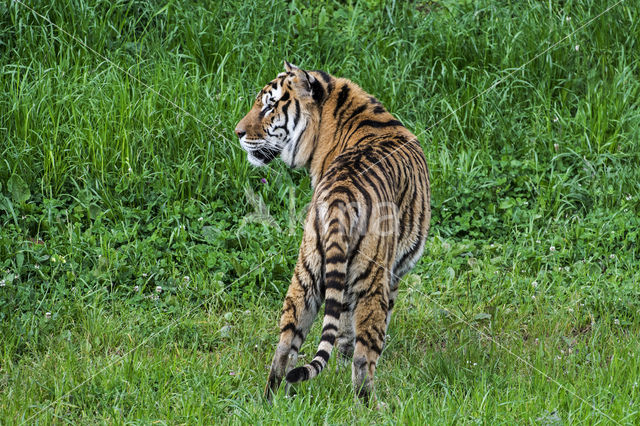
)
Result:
{"points": [[259, 153]]}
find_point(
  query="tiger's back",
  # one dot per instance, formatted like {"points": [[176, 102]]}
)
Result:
{"points": [[367, 222]]}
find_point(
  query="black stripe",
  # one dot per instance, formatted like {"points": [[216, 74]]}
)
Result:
{"points": [[401, 227], [412, 251], [355, 113], [370, 345], [367, 136], [329, 338], [363, 211], [337, 229], [385, 181], [379, 124], [326, 77], [310, 272], [379, 271], [273, 134], [384, 306], [373, 186], [291, 326], [296, 119], [330, 88], [285, 108], [329, 327], [372, 342], [333, 285], [344, 129], [317, 365], [361, 340], [323, 354], [293, 307], [317, 91], [379, 331], [336, 246], [335, 275], [334, 220], [365, 273], [355, 250], [339, 203], [364, 321], [332, 308], [402, 194], [411, 213], [342, 97], [337, 258], [340, 129], [319, 247], [319, 250], [367, 291]]}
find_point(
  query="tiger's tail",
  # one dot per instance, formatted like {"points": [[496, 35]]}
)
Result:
{"points": [[335, 249]]}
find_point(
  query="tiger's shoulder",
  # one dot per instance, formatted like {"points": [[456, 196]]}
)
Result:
{"points": [[358, 129]]}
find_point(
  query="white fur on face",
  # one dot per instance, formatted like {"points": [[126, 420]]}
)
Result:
{"points": [[295, 132], [270, 97]]}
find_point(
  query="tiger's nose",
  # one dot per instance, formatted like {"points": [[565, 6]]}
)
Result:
{"points": [[240, 132]]}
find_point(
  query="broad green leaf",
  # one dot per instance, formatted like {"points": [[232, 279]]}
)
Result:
{"points": [[19, 189]]}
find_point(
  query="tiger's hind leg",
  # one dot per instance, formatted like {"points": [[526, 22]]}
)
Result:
{"points": [[370, 317], [393, 293], [299, 310], [346, 336]]}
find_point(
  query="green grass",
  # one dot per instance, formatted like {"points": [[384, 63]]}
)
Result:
{"points": [[120, 173]]}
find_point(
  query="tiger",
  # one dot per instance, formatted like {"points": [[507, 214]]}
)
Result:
{"points": [[366, 225]]}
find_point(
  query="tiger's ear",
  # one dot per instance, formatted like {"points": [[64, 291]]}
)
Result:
{"points": [[289, 67], [303, 80]]}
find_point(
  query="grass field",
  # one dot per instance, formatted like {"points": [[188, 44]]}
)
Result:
{"points": [[143, 261]]}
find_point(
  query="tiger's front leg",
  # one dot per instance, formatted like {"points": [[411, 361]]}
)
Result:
{"points": [[299, 310]]}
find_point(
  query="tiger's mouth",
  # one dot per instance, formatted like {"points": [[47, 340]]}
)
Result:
{"points": [[266, 155], [262, 156], [259, 153]]}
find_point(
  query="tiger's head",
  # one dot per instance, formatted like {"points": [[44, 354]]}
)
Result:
{"points": [[284, 118]]}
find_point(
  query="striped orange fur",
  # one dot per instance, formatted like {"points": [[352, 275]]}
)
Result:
{"points": [[367, 222]]}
